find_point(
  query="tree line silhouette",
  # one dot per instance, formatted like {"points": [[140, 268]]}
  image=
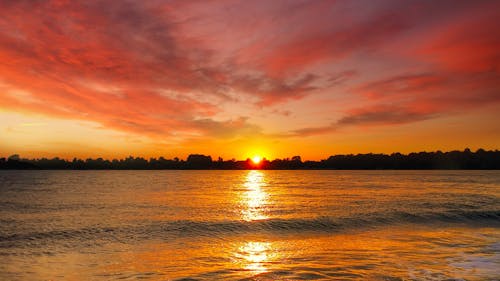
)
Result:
{"points": [[481, 159]]}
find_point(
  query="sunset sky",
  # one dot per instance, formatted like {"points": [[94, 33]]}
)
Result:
{"points": [[242, 78]]}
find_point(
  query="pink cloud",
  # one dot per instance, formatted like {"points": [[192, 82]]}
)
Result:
{"points": [[469, 42], [163, 68]]}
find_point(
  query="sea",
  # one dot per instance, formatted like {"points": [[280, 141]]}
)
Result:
{"points": [[250, 225]]}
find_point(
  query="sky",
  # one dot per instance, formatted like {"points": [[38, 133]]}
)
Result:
{"points": [[237, 79]]}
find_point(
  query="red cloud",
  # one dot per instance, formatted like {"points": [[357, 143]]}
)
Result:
{"points": [[470, 42], [401, 86], [156, 69], [314, 48]]}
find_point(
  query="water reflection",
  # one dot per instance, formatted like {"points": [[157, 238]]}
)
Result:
{"points": [[254, 199], [253, 256]]}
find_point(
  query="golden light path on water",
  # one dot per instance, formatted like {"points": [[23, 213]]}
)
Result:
{"points": [[254, 198], [253, 255]]}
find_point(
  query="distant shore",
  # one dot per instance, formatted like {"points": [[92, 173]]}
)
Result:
{"points": [[451, 160]]}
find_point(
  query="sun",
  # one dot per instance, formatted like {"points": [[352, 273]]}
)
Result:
{"points": [[256, 159]]}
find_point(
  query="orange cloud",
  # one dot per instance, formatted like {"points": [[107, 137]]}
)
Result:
{"points": [[169, 68]]}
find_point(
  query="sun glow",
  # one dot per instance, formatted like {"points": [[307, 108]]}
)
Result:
{"points": [[256, 159]]}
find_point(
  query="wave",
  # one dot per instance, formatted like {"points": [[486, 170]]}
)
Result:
{"points": [[187, 228], [332, 224]]}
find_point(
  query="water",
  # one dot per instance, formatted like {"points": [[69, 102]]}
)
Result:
{"points": [[250, 225]]}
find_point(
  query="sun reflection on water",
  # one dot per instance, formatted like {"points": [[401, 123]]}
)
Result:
{"points": [[254, 255], [254, 199]]}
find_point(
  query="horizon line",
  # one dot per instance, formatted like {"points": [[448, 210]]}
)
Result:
{"points": [[264, 158]]}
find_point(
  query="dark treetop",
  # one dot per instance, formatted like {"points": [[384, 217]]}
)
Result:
{"points": [[466, 159]]}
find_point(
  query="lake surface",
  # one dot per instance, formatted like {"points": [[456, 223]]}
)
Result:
{"points": [[250, 225]]}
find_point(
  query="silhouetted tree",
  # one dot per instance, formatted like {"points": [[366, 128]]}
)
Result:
{"points": [[198, 161], [481, 159]]}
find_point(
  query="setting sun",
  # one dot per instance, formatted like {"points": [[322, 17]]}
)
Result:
{"points": [[256, 159]]}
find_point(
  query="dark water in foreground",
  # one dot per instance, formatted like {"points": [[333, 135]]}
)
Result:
{"points": [[250, 225]]}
